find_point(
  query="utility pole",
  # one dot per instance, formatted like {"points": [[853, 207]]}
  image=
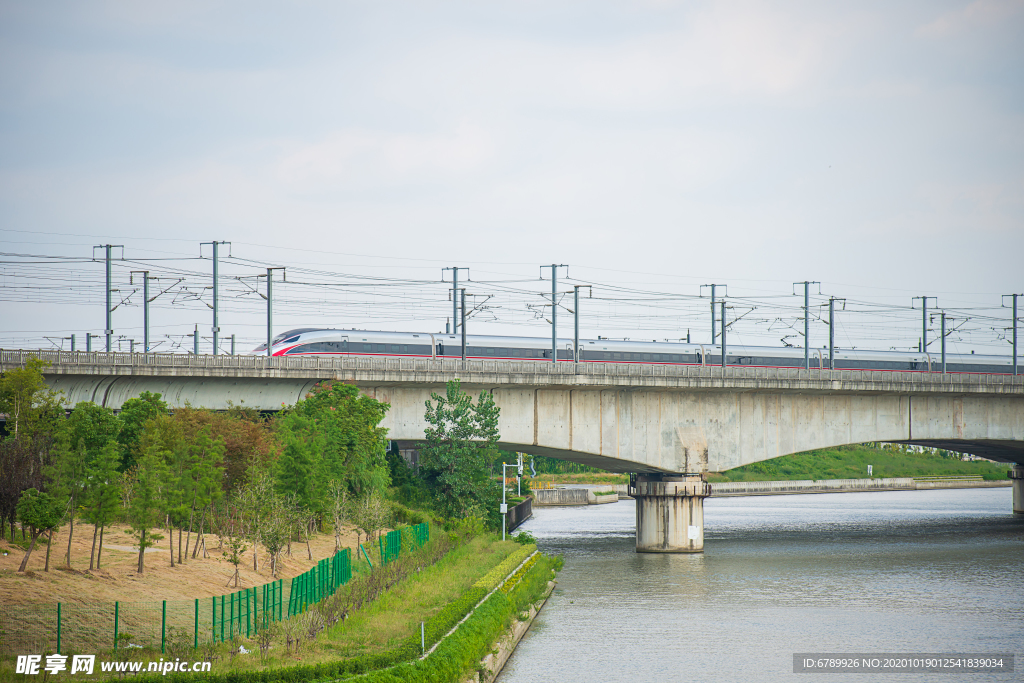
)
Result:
{"points": [[943, 315], [576, 315], [554, 308], [832, 331], [924, 320], [714, 331], [807, 320], [1014, 297], [723, 335], [72, 343], [232, 344], [270, 309], [109, 330], [455, 294], [463, 325], [145, 307], [216, 296], [195, 341]]}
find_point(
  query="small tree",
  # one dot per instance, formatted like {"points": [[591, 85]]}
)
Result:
{"points": [[147, 500], [39, 512], [104, 495], [338, 508], [236, 547], [275, 531], [371, 513]]}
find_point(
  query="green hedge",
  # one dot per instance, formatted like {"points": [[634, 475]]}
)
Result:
{"points": [[491, 578]]}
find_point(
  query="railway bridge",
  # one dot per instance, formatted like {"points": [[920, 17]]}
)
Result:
{"points": [[667, 424]]}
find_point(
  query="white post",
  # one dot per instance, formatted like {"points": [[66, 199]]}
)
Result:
{"points": [[504, 505]]}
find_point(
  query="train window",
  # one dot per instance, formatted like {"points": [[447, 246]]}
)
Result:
{"points": [[617, 356], [379, 348], [395, 348], [647, 356], [367, 347], [490, 352]]}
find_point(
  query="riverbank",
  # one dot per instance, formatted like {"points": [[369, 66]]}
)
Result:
{"points": [[491, 665], [594, 494], [463, 599], [775, 488]]}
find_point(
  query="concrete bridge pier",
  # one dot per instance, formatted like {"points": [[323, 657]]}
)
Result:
{"points": [[1017, 475], [669, 512]]}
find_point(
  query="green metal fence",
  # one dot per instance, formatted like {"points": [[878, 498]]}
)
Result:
{"points": [[390, 546], [65, 628], [320, 582]]}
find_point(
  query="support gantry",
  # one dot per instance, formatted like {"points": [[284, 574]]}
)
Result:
{"points": [[669, 512]]}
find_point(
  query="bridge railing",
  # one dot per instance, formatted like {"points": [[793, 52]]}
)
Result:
{"points": [[539, 371]]}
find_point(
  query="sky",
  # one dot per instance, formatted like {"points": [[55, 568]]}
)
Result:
{"points": [[875, 148]]}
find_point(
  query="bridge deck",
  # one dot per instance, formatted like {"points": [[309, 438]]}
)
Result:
{"points": [[363, 370]]}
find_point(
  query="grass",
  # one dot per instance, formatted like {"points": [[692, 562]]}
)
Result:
{"points": [[383, 624], [841, 462], [851, 462]]}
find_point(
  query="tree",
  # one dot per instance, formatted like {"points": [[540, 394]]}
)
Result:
{"points": [[275, 531], [243, 432], [40, 512], [91, 426], [254, 500], [83, 435], [103, 495], [338, 508], [147, 499], [201, 478], [70, 482], [296, 468], [453, 459], [371, 513], [343, 438], [135, 413], [26, 400]]}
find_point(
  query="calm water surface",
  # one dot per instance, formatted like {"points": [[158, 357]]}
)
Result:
{"points": [[899, 571]]}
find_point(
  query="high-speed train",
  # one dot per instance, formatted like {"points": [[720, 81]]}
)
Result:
{"points": [[333, 342]]}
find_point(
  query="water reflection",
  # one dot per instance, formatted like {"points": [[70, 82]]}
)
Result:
{"points": [[900, 571]]}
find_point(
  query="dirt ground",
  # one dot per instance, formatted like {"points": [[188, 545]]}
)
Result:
{"points": [[118, 579]]}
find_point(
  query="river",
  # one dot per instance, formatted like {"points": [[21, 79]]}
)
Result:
{"points": [[888, 572]]}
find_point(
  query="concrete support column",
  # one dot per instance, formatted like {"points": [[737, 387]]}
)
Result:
{"points": [[669, 512], [1017, 475]]}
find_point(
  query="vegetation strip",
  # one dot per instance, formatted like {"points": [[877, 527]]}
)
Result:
{"points": [[482, 601], [441, 641]]}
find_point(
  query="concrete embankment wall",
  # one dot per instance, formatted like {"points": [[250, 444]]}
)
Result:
{"points": [[561, 497], [517, 514], [775, 488]]}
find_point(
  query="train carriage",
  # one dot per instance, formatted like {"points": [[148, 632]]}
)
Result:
{"points": [[334, 342]]}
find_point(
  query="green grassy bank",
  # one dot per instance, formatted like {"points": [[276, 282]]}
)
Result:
{"points": [[841, 462], [851, 462]]}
